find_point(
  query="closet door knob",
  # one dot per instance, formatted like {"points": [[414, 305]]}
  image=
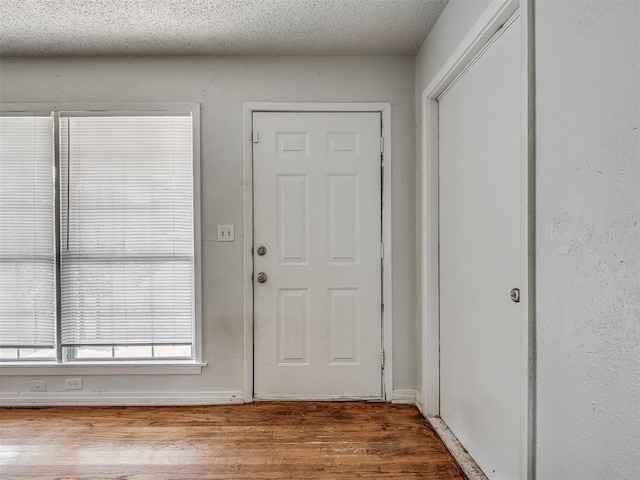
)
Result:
{"points": [[515, 295]]}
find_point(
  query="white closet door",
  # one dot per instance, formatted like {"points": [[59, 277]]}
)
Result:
{"points": [[480, 225]]}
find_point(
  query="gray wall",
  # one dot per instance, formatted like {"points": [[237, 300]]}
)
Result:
{"points": [[588, 241], [220, 85], [587, 56]]}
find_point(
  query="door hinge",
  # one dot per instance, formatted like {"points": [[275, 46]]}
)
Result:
{"points": [[382, 250], [382, 358], [381, 144], [254, 137]]}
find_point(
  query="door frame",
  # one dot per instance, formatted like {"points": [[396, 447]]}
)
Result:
{"points": [[248, 108], [498, 12]]}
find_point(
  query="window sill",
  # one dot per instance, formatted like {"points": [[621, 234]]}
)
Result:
{"points": [[103, 368]]}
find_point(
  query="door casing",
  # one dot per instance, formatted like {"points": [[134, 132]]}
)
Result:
{"points": [[494, 17], [248, 109]]}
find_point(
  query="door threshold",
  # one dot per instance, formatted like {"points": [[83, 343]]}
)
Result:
{"points": [[466, 462], [317, 398]]}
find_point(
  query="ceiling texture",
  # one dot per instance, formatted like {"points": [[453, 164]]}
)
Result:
{"points": [[215, 27]]}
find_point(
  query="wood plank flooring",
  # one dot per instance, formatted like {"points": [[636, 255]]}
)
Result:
{"points": [[301, 440]]}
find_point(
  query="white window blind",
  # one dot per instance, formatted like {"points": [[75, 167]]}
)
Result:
{"points": [[127, 239], [27, 239]]}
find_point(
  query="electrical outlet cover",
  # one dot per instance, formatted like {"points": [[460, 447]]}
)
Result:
{"points": [[74, 383], [38, 386]]}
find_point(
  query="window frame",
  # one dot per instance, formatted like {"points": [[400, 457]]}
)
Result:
{"points": [[62, 364]]}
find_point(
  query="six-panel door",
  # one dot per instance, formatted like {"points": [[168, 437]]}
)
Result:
{"points": [[317, 313]]}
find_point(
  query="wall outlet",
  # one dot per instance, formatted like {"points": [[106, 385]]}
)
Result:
{"points": [[226, 233], [74, 383], [38, 386]]}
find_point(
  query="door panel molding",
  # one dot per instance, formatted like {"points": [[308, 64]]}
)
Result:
{"points": [[340, 144], [481, 33], [292, 341]]}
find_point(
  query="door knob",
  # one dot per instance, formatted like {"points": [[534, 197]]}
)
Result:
{"points": [[262, 277], [515, 295], [261, 251]]}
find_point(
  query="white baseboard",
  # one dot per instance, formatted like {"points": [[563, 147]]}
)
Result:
{"points": [[60, 399], [404, 396], [63, 399], [458, 452], [419, 403]]}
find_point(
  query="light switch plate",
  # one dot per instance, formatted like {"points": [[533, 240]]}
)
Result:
{"points": [[226, 233]]}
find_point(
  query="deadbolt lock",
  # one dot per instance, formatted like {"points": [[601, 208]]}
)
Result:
{"points": [[515, 295], [261, 251], [262, 277]]}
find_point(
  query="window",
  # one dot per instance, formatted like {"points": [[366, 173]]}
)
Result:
{"points": [[119, 281], [27, 242]]}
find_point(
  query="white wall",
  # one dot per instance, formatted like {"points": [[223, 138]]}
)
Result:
{"points": [[587, 56], [220, 85], [588, 242]]}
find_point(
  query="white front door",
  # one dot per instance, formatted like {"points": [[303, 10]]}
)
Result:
{"points": [[317, 315], [480, 259]]}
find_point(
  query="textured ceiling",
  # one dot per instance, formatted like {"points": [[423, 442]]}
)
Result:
{"points": [[215, 27]]}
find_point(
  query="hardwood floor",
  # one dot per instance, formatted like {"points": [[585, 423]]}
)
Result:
{"points": [[254, 441]]}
